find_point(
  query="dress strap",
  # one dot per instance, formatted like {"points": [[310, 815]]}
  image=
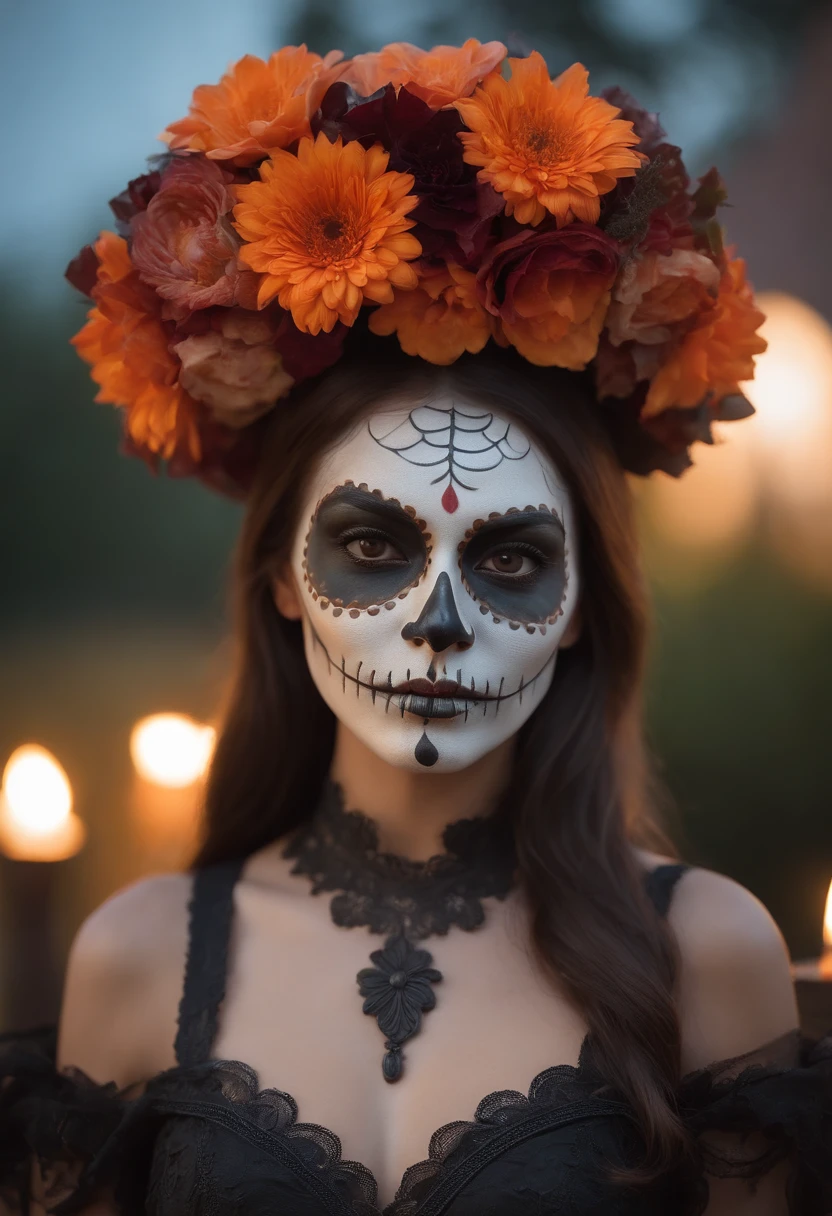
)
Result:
{"points": [[661, 883], [210, 914]]}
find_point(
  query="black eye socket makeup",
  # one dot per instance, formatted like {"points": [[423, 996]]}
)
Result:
{"points": [[515, 565], [363, 549]]}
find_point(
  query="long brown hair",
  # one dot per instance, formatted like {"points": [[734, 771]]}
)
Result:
{"points": [[580, 782]]}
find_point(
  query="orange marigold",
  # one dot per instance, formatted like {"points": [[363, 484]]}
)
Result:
{"points": [[440, 319], [127, 345], [257, 106], [439, 76], [328, 229], [544, 144], [718, 354]]}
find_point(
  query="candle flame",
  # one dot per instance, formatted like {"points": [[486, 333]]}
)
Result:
{"points": [[171, 750], [827, 922], [36, 818]]}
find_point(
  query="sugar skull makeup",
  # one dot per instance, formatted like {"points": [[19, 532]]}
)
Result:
{"points": [[435, 560]]}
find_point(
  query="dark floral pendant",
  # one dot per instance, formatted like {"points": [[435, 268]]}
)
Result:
{"points": [[396, 991]]}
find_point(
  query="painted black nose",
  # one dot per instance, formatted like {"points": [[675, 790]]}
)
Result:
{"points": [[439, 623]]}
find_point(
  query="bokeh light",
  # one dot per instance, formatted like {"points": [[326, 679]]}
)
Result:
{"points": [[37, 822], [792, 393], [771, 472], [171, 750], [791, 434], [712, 506]]}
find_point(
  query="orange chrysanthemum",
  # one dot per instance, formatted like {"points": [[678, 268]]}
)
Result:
{"points": [[715, 357], [439, 76], [328, 229], [440, 319], [544, 144], [257, 106], [127, 346]]}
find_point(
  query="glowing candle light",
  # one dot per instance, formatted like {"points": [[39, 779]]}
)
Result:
{"points": [[812, 978], [171, 753], [826, 957], [37, 822], [171, 750]]}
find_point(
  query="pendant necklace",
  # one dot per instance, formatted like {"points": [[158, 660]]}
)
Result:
{"points": [[404, 900]]}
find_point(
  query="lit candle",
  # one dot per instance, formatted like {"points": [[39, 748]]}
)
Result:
{"points": [[38, 831], [37, 822], [170, 754], [813, 982]]}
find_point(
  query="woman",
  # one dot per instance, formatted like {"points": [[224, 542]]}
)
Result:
{"points": [[436, 711]]}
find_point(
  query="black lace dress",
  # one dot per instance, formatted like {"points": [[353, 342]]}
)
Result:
{"points": [[203, 1140]]}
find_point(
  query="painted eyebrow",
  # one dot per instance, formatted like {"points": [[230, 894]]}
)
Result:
{"points": [[371, 501], [515, 517]]}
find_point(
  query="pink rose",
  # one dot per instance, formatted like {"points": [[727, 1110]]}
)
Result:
{"points": [[654, 292], [183, 243], [235, 369]]}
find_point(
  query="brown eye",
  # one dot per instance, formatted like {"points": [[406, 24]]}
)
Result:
{"points": [[508, 561], [373, 549]]}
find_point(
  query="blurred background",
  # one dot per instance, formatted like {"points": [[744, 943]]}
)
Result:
{"points": [[113, 604]]}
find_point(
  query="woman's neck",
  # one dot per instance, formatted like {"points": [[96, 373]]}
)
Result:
{"points": [[411, 809]]}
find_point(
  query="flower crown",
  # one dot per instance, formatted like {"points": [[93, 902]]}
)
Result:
{"points": [[457, 197]]}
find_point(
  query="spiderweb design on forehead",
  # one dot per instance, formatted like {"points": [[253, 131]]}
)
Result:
{"points": [[470, 443]]}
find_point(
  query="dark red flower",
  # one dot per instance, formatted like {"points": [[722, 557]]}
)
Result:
{"points": [[663, 442], [305, 355], [138, 193], [455, 211], [668, 225], [709, 196], [550, 287], [184, 244], [82, 271]]}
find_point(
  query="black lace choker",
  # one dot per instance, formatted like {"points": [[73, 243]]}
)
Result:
{"points": [[405, 900]]}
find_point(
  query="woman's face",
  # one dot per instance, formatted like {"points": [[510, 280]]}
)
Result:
{"points": [[434, 574]]}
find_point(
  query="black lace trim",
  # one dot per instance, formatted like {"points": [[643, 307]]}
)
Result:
{"points": [[761, 1106], [505, 1116], [226, 1092], [209, 920], [338, 850], [556, 1095]]}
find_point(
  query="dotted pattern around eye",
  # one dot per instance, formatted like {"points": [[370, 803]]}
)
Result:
{"points": [[485, 609], [354, 610]]}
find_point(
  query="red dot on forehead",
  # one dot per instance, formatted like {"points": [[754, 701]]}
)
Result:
{"points": [[449, 500]]}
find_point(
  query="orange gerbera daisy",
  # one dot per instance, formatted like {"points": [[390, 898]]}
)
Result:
{"points": [[544, 144], [439, 76], [440, 319], [328, 229], [257, 106], [127, 345], [715, 357]]}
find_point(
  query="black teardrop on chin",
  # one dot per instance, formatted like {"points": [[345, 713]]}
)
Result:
{"points": [[426, 753]]}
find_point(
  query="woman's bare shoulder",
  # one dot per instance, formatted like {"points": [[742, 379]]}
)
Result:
{"points": [[124, 980], [735, 987]]}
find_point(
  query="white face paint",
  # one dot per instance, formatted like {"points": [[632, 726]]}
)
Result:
{"points": [[436, 565]]}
